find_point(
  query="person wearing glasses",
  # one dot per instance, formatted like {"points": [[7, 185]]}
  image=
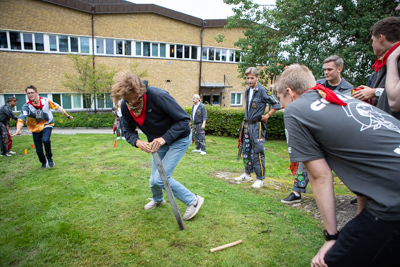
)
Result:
{"points": [[5, 115], [167, 128], [36, 113]]}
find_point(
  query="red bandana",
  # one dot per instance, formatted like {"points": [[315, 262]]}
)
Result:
{"points": [[40, 103], [381, 61], [139, 119], [328, 94]]}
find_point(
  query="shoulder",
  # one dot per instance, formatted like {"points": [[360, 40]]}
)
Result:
{"points": [[321, 81], [345, 84]]}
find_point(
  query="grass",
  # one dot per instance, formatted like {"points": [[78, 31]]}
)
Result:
{"points": [[88, 209]]}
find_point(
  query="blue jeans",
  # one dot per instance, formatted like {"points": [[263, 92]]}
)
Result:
{"points": [[40, 139], [170, 156]]}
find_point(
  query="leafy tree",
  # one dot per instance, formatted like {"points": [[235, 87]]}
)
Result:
{"points": [[307, 32]]}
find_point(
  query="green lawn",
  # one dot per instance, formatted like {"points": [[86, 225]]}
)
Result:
{"points": [[88, 209]]}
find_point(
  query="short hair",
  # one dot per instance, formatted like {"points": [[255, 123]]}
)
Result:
{"points": [[31, 87], [126, 83], [297, 77], [336, 59], [389, 27], [252, 70], [196, 96]]}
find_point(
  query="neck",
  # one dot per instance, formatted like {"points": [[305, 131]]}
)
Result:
{"points": [[335, 82]]}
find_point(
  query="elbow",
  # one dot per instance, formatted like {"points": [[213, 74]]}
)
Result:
{"points": [[395, 106]]}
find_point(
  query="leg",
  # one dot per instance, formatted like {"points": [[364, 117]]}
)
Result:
{"points": [[37, 140], [170, 156], [197, 136], [247, 154], [257, 140], [366, 241], [301, 179], [46, 141], [9, 140], [4, 139]]}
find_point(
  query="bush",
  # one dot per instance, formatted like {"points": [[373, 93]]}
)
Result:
{"points": [[227, 121]]}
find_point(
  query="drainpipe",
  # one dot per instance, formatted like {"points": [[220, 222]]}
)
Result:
{"points": [[93, 47], [201, 53]]}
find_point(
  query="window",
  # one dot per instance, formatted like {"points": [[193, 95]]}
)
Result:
{"points": [[119, 47], [3, 40], [74, 44], [154, 50], [171, 50], [194, 52], [162, 50], [210, 53], [76, 100], [218, 54], [57, 98], [236, 99], [87, 100], [109, 46], [237, 56], [85, 45], [66, 101], [146, 49], [187, 51], [128, 49], [179, 51], [204, 54], [223, 54], [28, 41], [15, 40], [39, 42], [99, 46], [53, 42], [138, 48], [63, 43]]}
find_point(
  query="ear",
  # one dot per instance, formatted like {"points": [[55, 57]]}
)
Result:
{"points": [[292, 93], [381, 38], [340, 68]]}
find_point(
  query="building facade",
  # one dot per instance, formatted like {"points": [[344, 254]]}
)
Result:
{"points": [[181, 54]]}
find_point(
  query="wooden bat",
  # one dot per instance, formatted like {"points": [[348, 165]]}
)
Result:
{"points": [[226, 246]]}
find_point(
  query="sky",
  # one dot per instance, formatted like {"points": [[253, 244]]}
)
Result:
{"points": [[204, 9]]}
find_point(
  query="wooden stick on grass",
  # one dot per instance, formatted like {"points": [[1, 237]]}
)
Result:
{"points": [[225, 246]]}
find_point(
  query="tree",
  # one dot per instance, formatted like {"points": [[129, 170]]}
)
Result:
{"points": [[307, 32]]}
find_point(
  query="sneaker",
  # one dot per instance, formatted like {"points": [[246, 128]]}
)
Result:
{"points": [[203, 153], [192, 210], [152, 204], [123, 138], [257, 184], [118, 138], [292, 198], [12, 152], [6, 155], [353, 201], [196, 150], [51, 163], [44, 165], [243, 177]]}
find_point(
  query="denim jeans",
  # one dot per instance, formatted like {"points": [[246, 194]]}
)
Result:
{"points": [[40, 139], [170, 156]]}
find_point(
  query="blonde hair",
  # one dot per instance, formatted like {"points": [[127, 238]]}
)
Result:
{"points": [[252, 70], [196, 96], [126, 83], [297, 77]]}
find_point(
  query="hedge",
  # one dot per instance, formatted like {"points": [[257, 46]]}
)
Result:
{"points": [[221, 121]]}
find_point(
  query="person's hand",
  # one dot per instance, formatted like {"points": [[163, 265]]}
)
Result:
{"points": [[265, 118], [145, 146], [318, 260], [364, 94], [203, 126], [70, 118], [156, 144]]}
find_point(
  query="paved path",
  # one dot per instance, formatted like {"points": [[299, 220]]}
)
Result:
{"points": [[62, 130]]}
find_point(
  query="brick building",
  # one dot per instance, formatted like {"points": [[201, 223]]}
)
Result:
{"points": [[180, 52]]}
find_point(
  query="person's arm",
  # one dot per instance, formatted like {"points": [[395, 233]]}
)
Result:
{"points": [[321, 180], [360, 203], [364, 94], [203, 126], [53, 106], [265, 117], [392, 85]]}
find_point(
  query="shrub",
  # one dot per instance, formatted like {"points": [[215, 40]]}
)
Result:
{"points": [[227, 122]]}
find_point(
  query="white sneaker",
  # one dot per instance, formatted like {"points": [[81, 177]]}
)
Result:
{"points": [[118, 138], [196, 150], [243, 177], [257, 184], [12, 152], [203, 153], [191, 210], [152, 204], [6, 155], [123, 138]]}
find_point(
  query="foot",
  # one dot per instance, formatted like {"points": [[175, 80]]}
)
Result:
{"points": [[51, 163], [292, 198], [257, 184], [192, 210], [152, 204], [353, 201], [196, 150], [6, 155], [44, 165], [123, 138], [118, 138], [203, 153], [243, 177], [12, 152]]}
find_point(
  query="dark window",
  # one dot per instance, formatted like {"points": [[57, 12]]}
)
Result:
{"points": [[39, 43], [218, 54], [15, 39], [146, 49], [28, 41], [119, 47], [57, 98], [3, 40], [210, 53], [179, 51], [128, 49], [74, 44], [187, 51], [171, 50], [63, 43], [194, 52]]}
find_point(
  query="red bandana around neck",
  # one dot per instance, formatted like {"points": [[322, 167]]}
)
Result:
{"points": [[139, 119], [40, 103], [328, 95], [381, 60]]}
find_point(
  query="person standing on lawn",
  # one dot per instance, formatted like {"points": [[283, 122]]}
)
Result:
{"points": [[5, 115], [254, 127], [367, 162], [167, 127], [199, 118], [39, 118]]}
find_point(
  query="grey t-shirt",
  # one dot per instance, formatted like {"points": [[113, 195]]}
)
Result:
{"points": [[360, 142]]}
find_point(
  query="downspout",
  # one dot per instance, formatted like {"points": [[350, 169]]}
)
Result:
{"points": [[93, 60], [201, 54]]}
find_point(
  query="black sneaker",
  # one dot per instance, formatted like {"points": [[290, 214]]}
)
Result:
{"points": [[44, 165], [292, 198], [51, 163], [353, 201]]}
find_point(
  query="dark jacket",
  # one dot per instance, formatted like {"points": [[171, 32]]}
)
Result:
{"points": [[343, 87], [201, 114], [383, 100], [6, 114], [164, 118]]}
